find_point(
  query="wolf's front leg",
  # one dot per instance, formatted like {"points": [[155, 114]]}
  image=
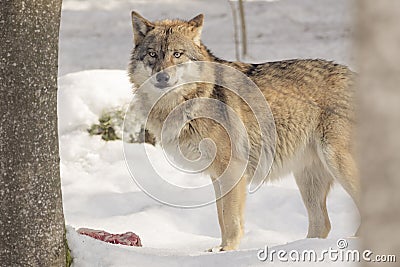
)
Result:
{"points": [[230, 215]]}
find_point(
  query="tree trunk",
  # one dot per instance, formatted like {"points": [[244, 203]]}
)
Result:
{"points": [[31, 220], [379, 95]]}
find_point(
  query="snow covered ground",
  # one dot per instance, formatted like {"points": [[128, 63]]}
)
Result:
{"points": [[98, 191]]}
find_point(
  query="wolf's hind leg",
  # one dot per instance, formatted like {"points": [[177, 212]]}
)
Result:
{"points": [[341, 164], [314, 183]]}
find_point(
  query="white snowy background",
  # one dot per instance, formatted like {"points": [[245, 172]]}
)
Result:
{"points": [[98, 192]]}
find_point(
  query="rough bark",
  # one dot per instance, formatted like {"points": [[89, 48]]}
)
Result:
{"points": [[31, 220], [379, 95]]}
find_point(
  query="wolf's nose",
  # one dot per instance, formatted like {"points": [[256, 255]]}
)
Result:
{"points": [[162, 77]]}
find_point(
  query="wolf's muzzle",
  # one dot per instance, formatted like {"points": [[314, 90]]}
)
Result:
{"points": [[162, 79]]}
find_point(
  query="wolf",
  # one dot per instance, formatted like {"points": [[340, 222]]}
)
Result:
{"points": [[311, 101]]}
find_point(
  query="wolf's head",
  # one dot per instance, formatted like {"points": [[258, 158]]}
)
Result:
{"points": [[163, 44]]}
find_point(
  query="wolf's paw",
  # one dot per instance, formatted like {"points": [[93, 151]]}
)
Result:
{"points": [[220, 248], [215, 249]]}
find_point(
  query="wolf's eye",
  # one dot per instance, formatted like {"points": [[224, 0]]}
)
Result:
{"points": [[177, 54], [152, 54]]}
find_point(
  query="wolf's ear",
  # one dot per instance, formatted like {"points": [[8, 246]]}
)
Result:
{"points": [[141, 27], [196, 24]]}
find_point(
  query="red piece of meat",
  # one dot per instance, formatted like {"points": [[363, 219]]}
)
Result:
{"points": [[127, 239]]}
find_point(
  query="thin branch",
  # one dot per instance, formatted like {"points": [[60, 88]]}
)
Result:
{"points": [[235, 29], [243, 24]]}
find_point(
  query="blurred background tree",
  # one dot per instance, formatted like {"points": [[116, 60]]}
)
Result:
{"points": [[379, 127], [242, 42]]}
